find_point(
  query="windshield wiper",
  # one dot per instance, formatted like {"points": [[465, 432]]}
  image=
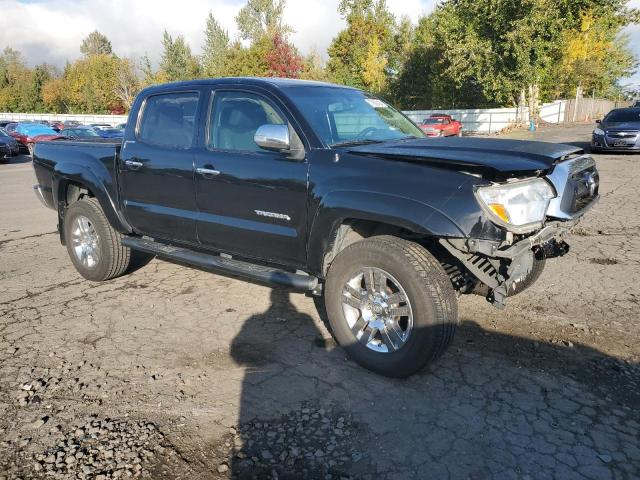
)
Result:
{"points": [[353, 143]]}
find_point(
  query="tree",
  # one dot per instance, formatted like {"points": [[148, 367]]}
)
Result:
{"points": [[96, 44], [177, 61], [353, 52], [251, 61], [313, 67], [262, 17], [283, 59], [595, 56], [215, 48], [483, 53], [91, 85], [373, 73], [127, 84], [149, 77], [54, 96]]}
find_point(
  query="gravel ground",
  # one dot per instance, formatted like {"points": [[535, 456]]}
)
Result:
{"points": [[171, 372]]}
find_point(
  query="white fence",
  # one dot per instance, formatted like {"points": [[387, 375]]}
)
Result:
{"points": [[110, 119], [493, 120]]}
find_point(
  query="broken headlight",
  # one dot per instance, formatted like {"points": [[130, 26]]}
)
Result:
{"points": [[518, 206]]}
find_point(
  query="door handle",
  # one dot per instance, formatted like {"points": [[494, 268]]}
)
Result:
{"points": [[207, 172], [133, 164]]}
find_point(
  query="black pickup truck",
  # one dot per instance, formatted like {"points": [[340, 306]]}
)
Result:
{"points": [[324, 189]]}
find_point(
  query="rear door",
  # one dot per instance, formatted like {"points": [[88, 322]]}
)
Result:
{"points": [[251, 202], [156, 167]]}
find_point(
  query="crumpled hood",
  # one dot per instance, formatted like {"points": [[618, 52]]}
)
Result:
{"points": [[493, 158]]}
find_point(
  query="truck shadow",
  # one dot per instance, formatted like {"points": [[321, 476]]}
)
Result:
{"points": [[309, 412]]}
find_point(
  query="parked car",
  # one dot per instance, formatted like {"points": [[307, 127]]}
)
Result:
{"points": [[79, 132], [618, 131], [4, 123], [30, 133], [71, 123], [121, 126], [111, 133], [441, 125], [9, 146], [267, 179], [57, 125], [101, 126], [636, 104]]}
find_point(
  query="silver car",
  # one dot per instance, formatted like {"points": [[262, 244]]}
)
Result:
{"points": [[618, 131]]}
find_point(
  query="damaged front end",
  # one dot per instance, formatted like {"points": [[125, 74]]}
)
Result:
{"points": [[496, 268]]}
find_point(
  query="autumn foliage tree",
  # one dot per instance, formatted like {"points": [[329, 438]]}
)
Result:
{"points": [[283, 60]]}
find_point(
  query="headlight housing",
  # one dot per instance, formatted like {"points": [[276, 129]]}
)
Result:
{"points": [[598, 131], [519, 207]]}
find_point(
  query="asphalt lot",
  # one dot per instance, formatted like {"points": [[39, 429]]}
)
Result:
{"points": [[171, 372]]}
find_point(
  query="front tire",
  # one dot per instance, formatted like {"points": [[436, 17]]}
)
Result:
{"points": [[92, 243], [390, 305]]}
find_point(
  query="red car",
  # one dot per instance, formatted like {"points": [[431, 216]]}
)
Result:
{"points": [[30, 133], [441, 125]]}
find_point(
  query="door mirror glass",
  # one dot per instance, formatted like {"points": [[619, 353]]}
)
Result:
{"points": [[273, 137], [598, 121]]}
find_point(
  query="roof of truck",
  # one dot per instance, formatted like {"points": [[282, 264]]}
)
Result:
{"points": [[275, 82]]}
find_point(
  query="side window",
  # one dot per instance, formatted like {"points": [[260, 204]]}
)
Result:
{"points": [[235, 117], [169, 119]]}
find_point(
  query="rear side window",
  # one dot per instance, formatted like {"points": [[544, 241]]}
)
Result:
{"points": [[169, 119]]}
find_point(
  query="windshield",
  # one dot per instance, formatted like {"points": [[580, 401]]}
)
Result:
{"points": [[342, 116], [432, 121], [616, 116], [3, 133]]}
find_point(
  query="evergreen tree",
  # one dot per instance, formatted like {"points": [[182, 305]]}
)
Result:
{"points": [[96, 44], [215, 48], [177, 61]]}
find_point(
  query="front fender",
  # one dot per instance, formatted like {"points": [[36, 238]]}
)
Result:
{"points": [[100, 183], [398, 211]]}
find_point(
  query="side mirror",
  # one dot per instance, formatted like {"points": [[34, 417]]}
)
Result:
{"points": [[598, 121], [273, 137]]}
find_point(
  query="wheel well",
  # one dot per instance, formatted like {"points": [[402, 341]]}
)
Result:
{"points": [[353, 230], [71, 193], [74, 192]]}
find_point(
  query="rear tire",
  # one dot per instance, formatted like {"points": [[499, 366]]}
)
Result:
{"points": [[413, 304], [92, 243]]}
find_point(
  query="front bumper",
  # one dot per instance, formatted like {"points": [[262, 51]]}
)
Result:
{"points": [[501, 267], [614, 144]]}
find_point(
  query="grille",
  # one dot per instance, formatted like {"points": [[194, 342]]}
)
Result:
{"points": [[622, 134]]}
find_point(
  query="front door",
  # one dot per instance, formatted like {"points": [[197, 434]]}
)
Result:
{"points": [[156, 168], [251, 202]]}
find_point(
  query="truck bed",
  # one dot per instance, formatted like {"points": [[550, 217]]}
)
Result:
{"points": [[93, 158]]}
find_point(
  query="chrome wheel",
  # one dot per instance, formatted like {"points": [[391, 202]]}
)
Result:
{"points": [[85, 242], [377, 310]]}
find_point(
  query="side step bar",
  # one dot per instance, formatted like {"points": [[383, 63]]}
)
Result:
{"points": [[216, 263]]}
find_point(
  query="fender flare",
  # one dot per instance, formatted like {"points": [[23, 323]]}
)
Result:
{"points": [[65, 173], [398, 211]]}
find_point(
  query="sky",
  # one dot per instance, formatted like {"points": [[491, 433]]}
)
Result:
{"points": [[51, 30]]}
